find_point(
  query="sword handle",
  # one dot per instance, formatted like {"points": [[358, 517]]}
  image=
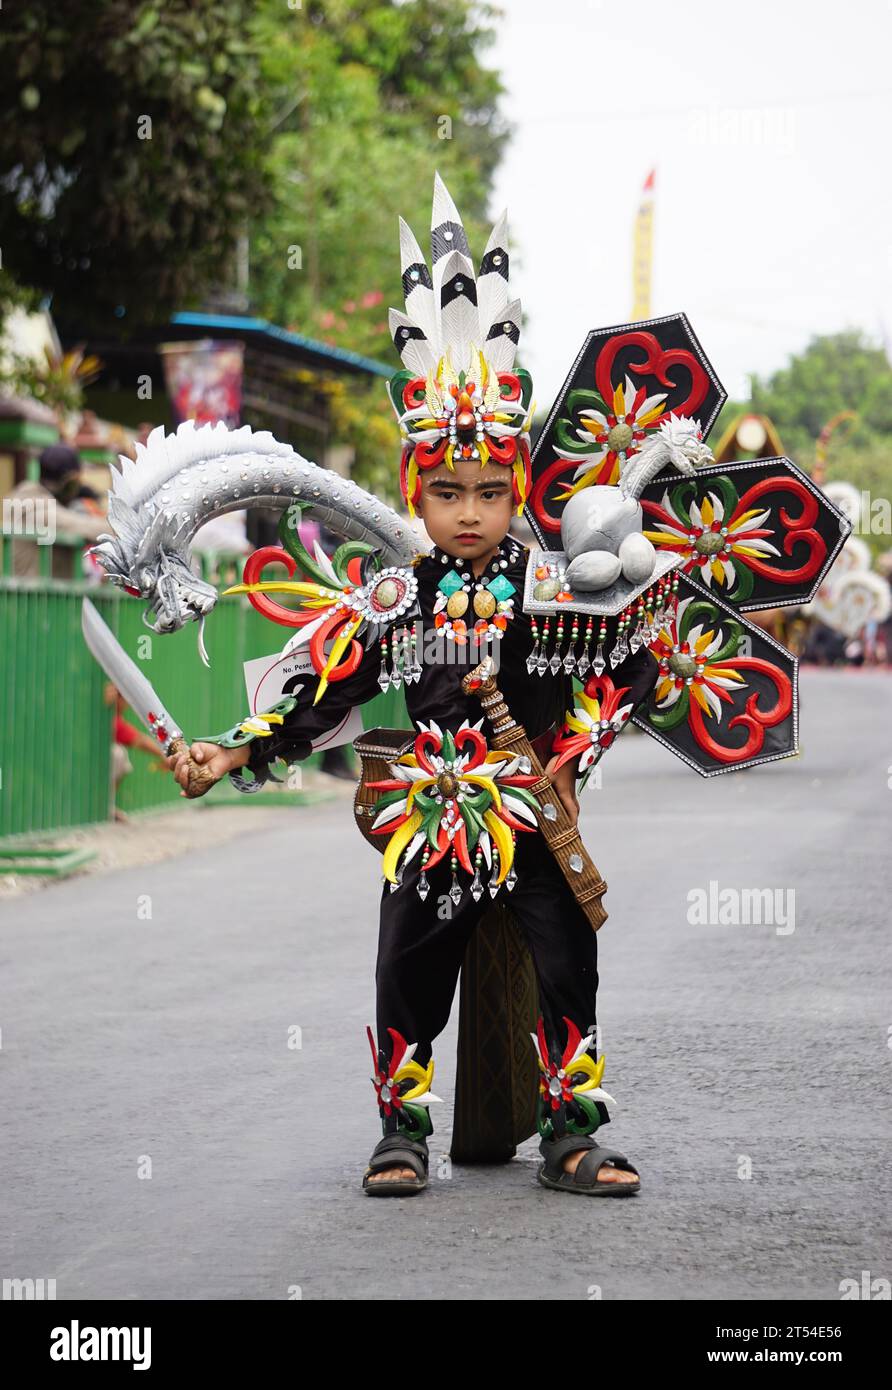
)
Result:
{"points": [[201, 779]]}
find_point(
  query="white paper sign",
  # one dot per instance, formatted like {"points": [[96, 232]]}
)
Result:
{"points": [[269, 678]]}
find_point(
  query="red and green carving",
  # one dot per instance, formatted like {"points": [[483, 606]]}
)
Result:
{"points": [[726, 540], [704, 678]]}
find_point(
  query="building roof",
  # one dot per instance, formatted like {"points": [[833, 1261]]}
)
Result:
{"points": [[134, 346], [291, 344]]}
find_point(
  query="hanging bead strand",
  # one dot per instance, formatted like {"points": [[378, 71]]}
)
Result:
{"points": [[621, 646], [384, 674], [556, 658], [638, 634], [511, 876], [476, 881], [533, 657], [600, 660], [585, 661], [542, 663], [423, 887], [493, 885], [570, 658], [396, 676]]}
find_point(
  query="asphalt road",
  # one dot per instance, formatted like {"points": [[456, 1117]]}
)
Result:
{"points": [[161, 1138]]}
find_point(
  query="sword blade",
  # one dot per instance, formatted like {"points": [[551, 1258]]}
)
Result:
{"points": [[126, 676]]}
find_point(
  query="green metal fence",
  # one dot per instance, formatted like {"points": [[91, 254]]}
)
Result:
{"points": [[55, 729]]}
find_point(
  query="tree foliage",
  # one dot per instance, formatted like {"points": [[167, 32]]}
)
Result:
{"points": [[131, 148], [838, 372], [372, 98], [302, 130], [841, 371]]}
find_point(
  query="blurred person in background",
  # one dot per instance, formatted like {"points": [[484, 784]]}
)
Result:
{"points": [[883, 648], [53, 503], [126, 736]]}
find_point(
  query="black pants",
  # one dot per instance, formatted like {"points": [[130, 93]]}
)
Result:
{"points": [[421, 945]]}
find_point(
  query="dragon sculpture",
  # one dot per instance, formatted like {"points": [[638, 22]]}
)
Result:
{"points": [[179, 481], [601, 525]]}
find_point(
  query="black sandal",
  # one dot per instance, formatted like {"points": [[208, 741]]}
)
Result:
{"points": [[395, 1150], [585, 1179]]}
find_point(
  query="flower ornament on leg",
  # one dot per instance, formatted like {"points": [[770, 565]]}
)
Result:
{"points": [[402, 1088], [569, 1086]]}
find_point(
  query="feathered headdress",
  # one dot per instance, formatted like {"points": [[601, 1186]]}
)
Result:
{"points": [[458, 395]]}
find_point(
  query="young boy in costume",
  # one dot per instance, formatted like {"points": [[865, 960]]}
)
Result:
{"points": [[454, 810], [640, 615]]}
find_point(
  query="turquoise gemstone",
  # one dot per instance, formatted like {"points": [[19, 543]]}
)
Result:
{"points": [[501, 587], [450, 582]]}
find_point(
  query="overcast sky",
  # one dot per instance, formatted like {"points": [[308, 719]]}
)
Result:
{"points": [[769, 126]]}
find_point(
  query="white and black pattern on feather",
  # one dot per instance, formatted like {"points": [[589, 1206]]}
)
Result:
{"points": [[502, 339], [459, 324], [450, 311], [447, 230], [411, 343], [492, 278], [455, 285], [418, 286]]}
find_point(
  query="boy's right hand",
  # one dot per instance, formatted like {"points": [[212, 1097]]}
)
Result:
{"points": [[218, 762]]}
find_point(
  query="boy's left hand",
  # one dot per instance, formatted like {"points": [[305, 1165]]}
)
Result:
{"points": [[564, 783]]}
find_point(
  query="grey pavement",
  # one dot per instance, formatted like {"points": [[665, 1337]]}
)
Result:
{"points": [[148, 1021]]}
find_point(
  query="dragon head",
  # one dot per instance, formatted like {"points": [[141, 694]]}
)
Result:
{"points": [[682, 439], [154, 564], [678, 441]]}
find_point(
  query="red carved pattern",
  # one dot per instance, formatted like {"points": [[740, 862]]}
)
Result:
{"points": [[657, 362], [290, 617], [754, 719], [798, 529]]}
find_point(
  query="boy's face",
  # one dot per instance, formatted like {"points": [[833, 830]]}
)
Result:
{"points": [[467, 512]]}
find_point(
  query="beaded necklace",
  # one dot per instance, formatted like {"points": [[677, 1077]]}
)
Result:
{"points": [[486, 601]]}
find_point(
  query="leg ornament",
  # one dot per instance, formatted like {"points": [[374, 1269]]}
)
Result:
{"points": [[402, 1088], [571, 1100], [571, 1107]]}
